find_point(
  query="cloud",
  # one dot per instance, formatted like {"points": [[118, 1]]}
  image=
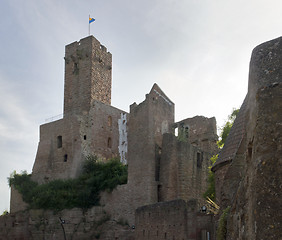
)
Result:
{"points": [[197, 51]]}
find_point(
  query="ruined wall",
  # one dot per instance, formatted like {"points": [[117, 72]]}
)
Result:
{"points": [[235, 170], [65, 143], [254, 210], [183, 170], [57, 150], [87, 75], [78, 224], [16, 201], [256, 197], [105, 131], [91, 126], [173, 220], [202, 132], [147, 122]]}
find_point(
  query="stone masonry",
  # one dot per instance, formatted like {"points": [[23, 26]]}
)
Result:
{"points": [[162, 166], [248, 171]]}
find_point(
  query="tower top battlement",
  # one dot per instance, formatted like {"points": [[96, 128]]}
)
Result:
{"points": [[88, 75]]}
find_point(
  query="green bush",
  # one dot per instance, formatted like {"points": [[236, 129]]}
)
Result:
{"points": [[82, 192], [210, 192]]}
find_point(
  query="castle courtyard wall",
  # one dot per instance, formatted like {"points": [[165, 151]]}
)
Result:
{"points": [[95, 223], [183, 171], [177, 219]]}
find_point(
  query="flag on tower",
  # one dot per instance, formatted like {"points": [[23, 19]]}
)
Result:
{"points": [[91, 20]]}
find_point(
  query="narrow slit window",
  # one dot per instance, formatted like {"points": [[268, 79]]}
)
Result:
{"points": [[65, 157], [199, 160], [109, 142], [59, 141], [109, 121]]}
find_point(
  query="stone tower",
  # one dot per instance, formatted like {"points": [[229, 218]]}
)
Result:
{"points": [[88, 75], [148, 121], [90, 125]]}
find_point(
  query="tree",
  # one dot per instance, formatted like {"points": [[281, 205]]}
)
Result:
{"points": [[227, 127]]}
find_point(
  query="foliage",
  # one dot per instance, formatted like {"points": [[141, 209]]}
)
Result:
{"points": [[5, 213], [227, 127], [81, 192], [23, 184], [210, 192], [221, 230]]}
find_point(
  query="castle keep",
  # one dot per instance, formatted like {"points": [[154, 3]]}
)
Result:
{"points": [[90, 125], [167, 161]]}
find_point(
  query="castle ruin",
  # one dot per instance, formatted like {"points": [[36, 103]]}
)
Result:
{"points": [[167, 174]]}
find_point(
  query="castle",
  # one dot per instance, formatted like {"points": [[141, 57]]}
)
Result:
{"points": [[167, 172], [161, 166]]}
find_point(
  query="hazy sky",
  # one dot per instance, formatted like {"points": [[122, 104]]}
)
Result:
{"points": [[197, 51]]}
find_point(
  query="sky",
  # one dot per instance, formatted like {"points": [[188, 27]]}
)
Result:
{"points": [[197, 51]]}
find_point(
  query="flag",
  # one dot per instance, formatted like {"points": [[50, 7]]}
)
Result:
{"points": [[91, 20]]}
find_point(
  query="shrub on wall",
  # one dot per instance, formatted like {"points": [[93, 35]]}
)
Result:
{"points": [[82, 192], [222, 230], [210, 192]]}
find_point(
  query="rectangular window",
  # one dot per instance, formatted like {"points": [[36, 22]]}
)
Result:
{"points": [[59, 141], [199, 159]]}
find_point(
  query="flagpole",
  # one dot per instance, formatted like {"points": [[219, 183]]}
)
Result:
{"points": [[89, 26]]}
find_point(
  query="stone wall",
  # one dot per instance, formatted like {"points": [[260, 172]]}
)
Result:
{"points": [[65, 143], [184, 170], [161, 167], [259, 194], [202, 132], [147, 122], [95, 223], [90, 126], [251, 183], [176, 220], [88, 75]]}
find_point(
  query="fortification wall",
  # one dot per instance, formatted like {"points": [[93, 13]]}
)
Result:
{"points": [[105, 132], [58, 149], [65, 143], [95, 223], [183, 171], [202, 132], [259, 193], [172, 220], [16, 201], [255, 198]]}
